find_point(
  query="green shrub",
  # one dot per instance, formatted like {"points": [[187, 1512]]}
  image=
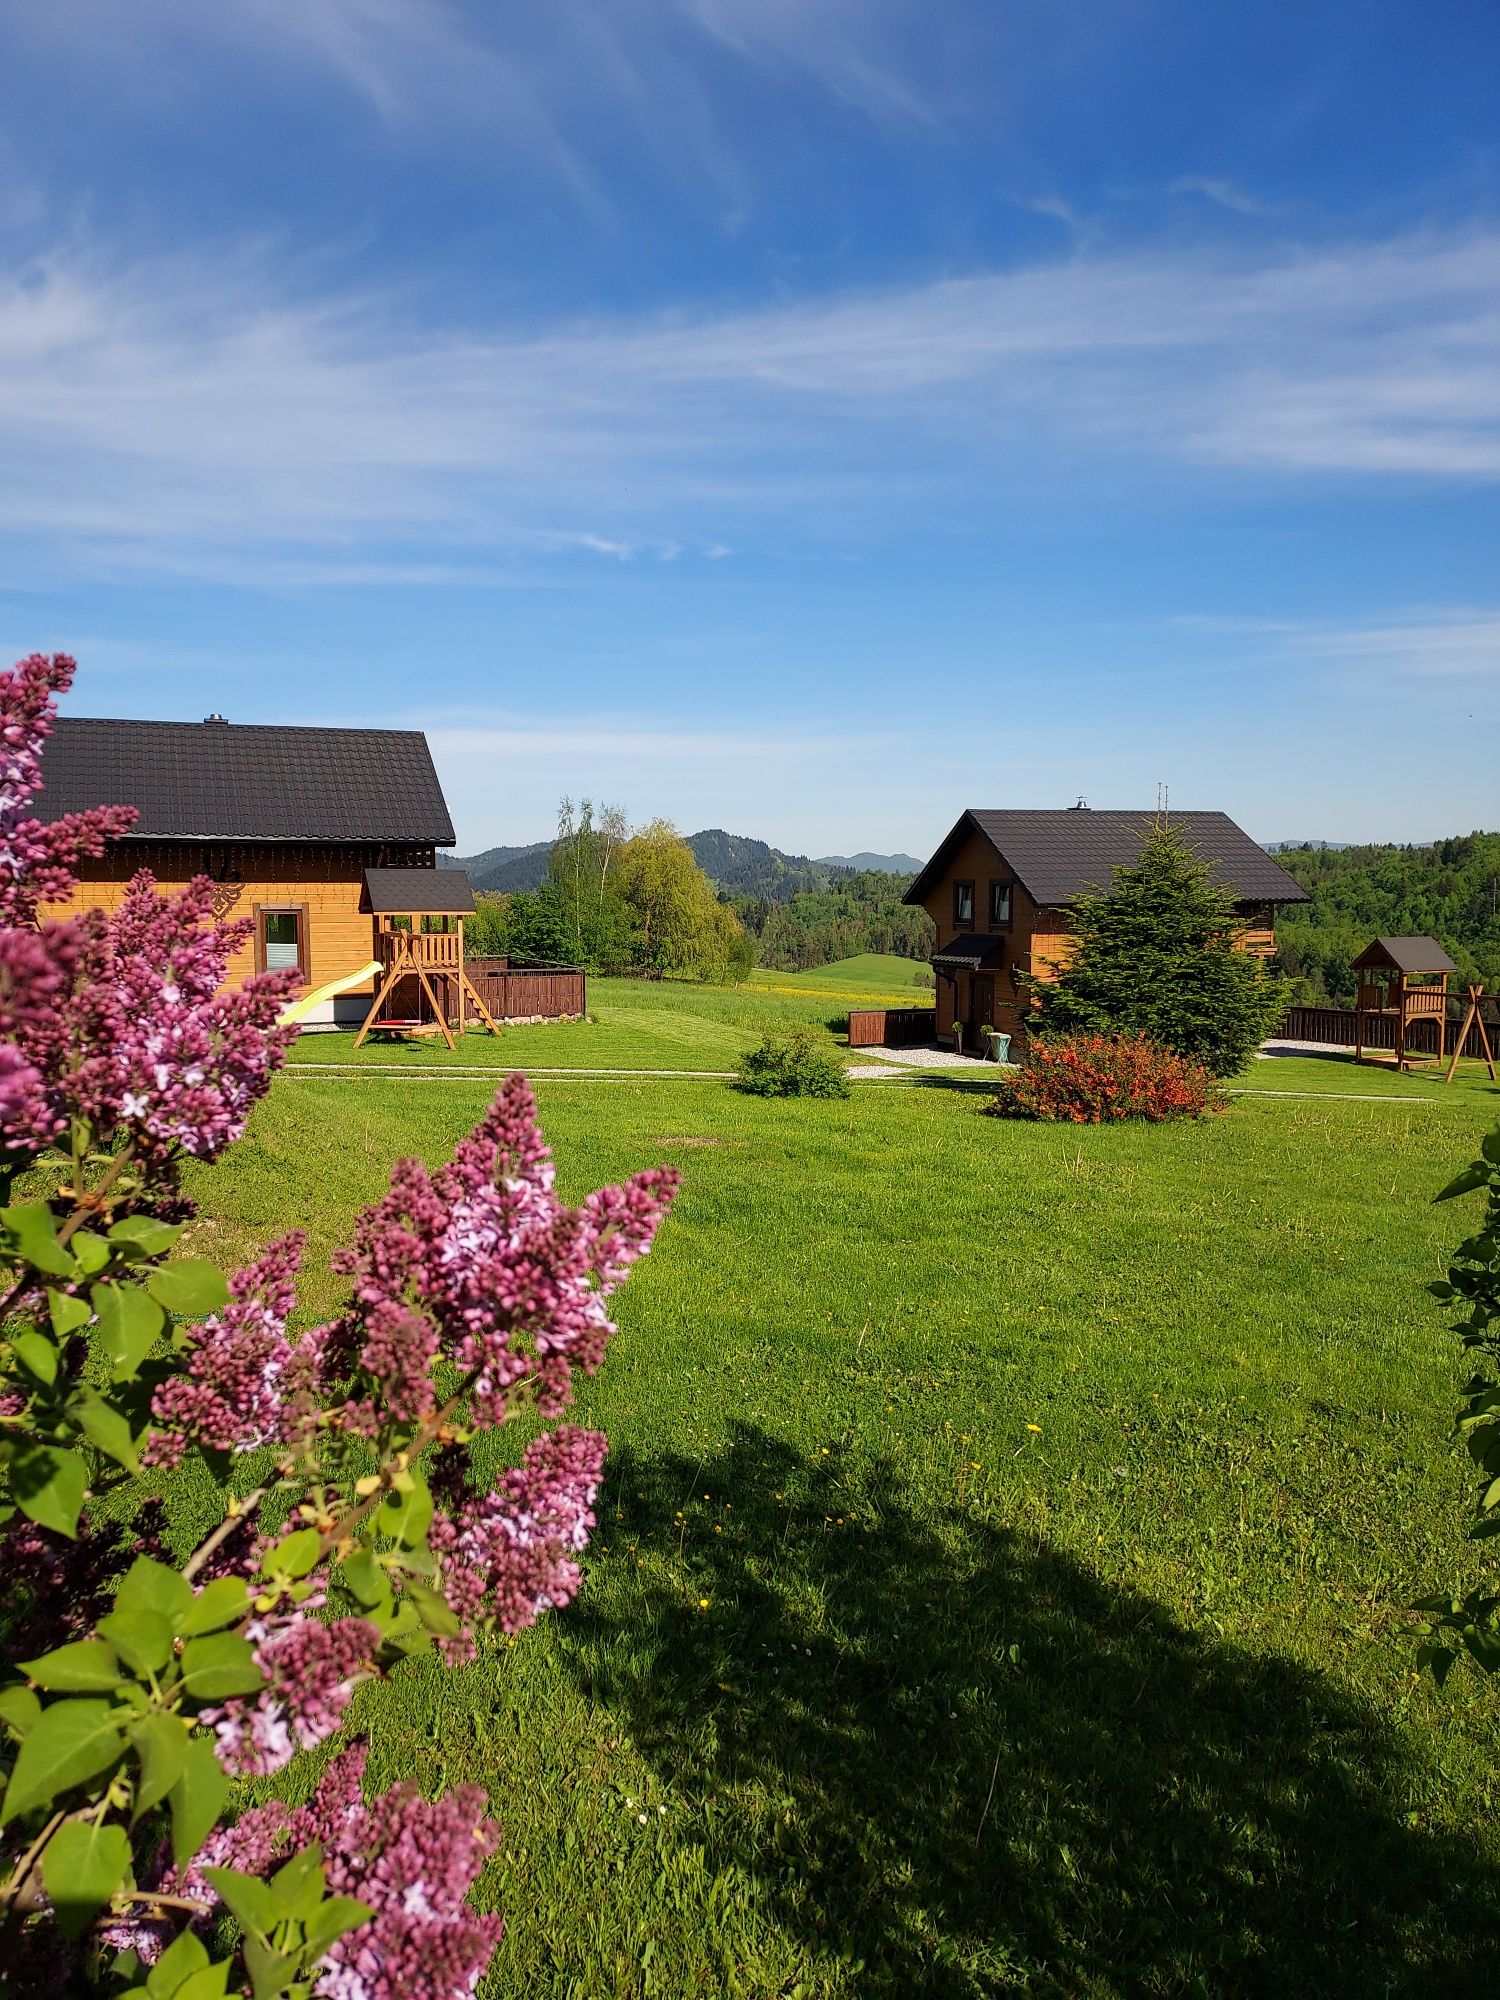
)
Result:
{"points": [[795, 1064], [1452, 1625]]}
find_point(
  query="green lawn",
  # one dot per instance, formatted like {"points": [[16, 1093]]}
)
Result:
{"points": [[1000, 1581], [632, 1024]]}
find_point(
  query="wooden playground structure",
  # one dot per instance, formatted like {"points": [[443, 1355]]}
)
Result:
{"points": [[1473, 1018], [1404, 981], [419, 937]]}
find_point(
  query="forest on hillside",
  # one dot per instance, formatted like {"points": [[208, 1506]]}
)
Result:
{"points": [[1450, 891], [861, 910], [712, 904]]}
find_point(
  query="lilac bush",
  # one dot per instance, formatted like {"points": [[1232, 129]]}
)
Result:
{"points": [[475, 1295]]}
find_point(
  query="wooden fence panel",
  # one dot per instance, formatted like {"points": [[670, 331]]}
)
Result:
{"points": [[891, 1027], [1336, 1026], [528, 992]]}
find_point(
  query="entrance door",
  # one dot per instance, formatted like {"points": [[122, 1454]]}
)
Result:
{"points": [[984, 1011]]}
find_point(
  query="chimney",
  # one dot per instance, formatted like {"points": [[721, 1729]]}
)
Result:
{"points": [[216, 717]]}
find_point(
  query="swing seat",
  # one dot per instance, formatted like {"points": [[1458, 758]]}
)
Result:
{"points": [[407, 1028]]}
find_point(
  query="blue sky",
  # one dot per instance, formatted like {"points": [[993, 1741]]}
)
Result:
{"points": [[803, 416]]}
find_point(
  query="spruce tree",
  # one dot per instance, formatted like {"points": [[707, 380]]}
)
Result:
{"points": [[1158, 954]]}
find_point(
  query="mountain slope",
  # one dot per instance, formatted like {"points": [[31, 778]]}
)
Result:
{"points": [[744, 867], [503, 869]]}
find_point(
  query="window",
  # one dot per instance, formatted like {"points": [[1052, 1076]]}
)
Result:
{"points": [[963, 903], [1000, 906], [281, 940]]}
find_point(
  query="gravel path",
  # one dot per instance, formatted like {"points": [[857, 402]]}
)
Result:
{"points": [[928, 1058]]}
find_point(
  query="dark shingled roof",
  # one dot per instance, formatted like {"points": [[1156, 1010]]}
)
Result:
{"points": [[1059, 856], [974, 954], [248, 781], [1407, 954], [417, 892]]}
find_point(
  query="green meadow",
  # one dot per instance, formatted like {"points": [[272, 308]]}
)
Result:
{"points": [[904, 981], [651, 1024], [1001, 1575]]}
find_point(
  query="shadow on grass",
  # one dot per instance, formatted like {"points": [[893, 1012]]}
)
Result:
{"points": [[965, 1082], [951, 1757]]}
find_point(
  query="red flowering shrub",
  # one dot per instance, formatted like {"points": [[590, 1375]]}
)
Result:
{"points": [[1087, 1079]]}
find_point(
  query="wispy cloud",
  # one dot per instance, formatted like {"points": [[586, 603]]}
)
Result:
{"points": [[544, 83], [1223, 193], [187, 410], [1423, 643], [1423, 646]]}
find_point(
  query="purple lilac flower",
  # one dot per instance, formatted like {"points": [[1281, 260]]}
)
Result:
{"points": [[483, 1265], [413, 1860], [37, 859], [232, 1394], [117, 1020], [508, 1554], [311, 1672]]}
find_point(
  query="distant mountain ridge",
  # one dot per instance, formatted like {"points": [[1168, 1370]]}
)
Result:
{"points": [[733, 862], [877, 864]]}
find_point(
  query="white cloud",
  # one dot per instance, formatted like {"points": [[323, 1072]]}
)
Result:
{"points": [[190, 412]]}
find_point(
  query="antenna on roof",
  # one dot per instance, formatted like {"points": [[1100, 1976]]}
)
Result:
{"points": [[1162, 795]]}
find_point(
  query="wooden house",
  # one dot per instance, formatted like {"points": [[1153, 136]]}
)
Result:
{"points": [[298, 829], [1001, 889]]}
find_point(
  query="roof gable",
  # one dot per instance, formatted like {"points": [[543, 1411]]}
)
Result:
{"points": [[1060, 855], [1406, 954], [412, 892], [248, 781]]}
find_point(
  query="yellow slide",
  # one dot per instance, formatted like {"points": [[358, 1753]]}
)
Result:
{"points": [[300, 1009]]}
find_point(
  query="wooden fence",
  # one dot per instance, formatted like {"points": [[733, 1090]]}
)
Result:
{"points": [[891, 1027], [528, 992], [1335, 1025]]}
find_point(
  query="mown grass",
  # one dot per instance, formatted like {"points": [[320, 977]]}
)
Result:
{"points": [[877, 976], [631, 1024], [1001, 1569]]}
